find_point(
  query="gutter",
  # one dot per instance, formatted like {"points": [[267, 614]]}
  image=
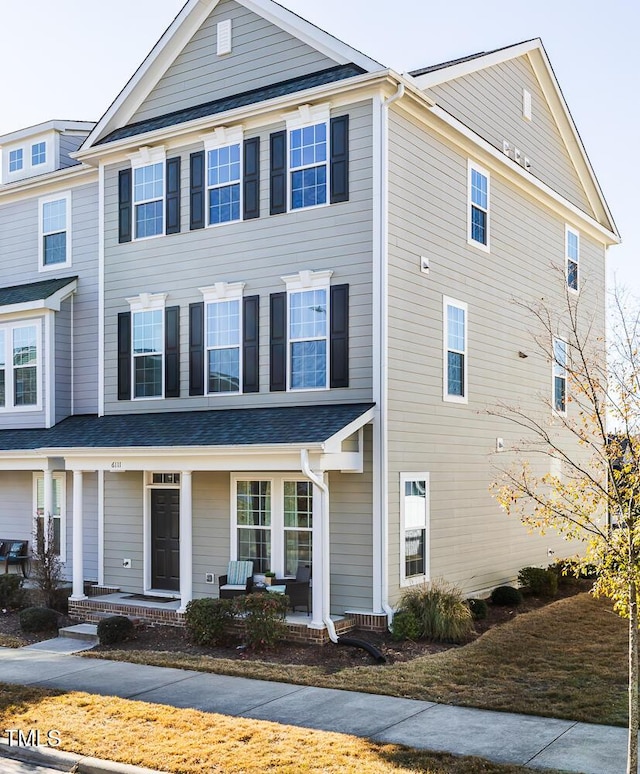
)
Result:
{"points": [[324, 531]]}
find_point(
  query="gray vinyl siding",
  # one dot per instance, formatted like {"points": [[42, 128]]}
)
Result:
{"points": [[63, 356], [262, 54], [16, 521], [257, 252], [211, 530], [351, 522], [123, 530], [490, 103], [472, 543], [68, 144]]}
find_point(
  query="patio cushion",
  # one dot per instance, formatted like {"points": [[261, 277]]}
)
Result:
{"points": [[238, 572]]}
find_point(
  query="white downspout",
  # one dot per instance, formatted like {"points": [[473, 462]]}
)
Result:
{"points": [[325, 579], [384, 339]]}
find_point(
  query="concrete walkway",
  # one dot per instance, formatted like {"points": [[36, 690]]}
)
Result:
{"points": [[498, 736]]}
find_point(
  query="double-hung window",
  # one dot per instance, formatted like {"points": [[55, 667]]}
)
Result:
{"points": [[478, 206], [148, 342], [308, 334], [455, 350], [55, 221], [223, 321], [414, 517], [559, 376], [148, 192], [38, 153], [308, 132], [19, 365], [16, 160], [273, 522], [58, 512], [224, 176], [572, 248]]}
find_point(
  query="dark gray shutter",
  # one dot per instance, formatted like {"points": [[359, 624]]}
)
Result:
{"points": [[251, 180], [196, 348], [340, 159], [196, 198], [125, 205], [172, 352], [173, 196], [250, 344], [278, 342], [124, 356], [278, 166], [339, 336]]}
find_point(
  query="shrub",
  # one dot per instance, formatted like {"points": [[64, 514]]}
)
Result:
{"points": [[208, 620], [405, 626], [116, 628], [479, 609], [12, 595], [542, 583], [506, 595], [440, 610], [264, 618], [38, 619]]}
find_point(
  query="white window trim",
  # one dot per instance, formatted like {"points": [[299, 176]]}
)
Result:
{"points": [[472, 166], [415, 579], [23, 165], [555, 364], [219, 138], [296, 283], [222, 291], [446, 301], [9, 368], [63, 508], [144, 157], [147, 302], [309, 115], [277, 527], [568, 230], [66, 195]]}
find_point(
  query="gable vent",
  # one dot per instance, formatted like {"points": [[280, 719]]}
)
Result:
{"points": [[224, 37]]}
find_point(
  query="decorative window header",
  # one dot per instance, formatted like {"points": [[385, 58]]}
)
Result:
{"points": [[222, 291], [307, 279], [147, 301]]}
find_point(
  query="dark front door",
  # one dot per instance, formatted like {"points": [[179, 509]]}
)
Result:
{"points": [[165, 539]]}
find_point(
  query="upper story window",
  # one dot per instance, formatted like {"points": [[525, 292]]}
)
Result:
{"points": [[560, 376], [308, 132], [478, 186], [19, 365], [224, 175], [572, 248], [16, 160], [148, 167], [455, 350], [414, 516], [38, 153], [55, 246], [147, 345], [223, 315]]}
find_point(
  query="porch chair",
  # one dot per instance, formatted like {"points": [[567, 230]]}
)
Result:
{"points": [[298, 589], [237, 581]]}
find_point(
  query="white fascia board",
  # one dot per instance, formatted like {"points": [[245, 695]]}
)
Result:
{"points": [[50, 182], [180, 32], [334, 443], [47, 126], [251, 116], [21, 460], [450, 73]]}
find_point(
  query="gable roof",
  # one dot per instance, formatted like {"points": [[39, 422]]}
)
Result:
{"points": [[45, 293], [429, 77], [180, 31]]}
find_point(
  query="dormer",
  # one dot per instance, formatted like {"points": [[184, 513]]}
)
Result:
{"points": [[41, 149]]}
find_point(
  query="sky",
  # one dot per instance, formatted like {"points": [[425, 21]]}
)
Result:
{"points": [[69, 59]]}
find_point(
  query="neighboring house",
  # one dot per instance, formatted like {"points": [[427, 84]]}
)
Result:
{"points": [[301, 266]]}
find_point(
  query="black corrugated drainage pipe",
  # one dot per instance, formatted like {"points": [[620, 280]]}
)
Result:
{"points": [[371, 649]]}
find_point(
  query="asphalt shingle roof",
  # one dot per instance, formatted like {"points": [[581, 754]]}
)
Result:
{"points": [[230, 427], [251, 97], [34, 291]]}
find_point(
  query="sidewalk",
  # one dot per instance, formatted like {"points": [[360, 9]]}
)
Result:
{"points": [[498, 736]]}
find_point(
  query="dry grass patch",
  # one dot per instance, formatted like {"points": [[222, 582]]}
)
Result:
{"points": [[565, 660], [191, 742]]}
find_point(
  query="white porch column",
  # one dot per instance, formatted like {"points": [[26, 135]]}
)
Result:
{"points": [[78, 557], [320, 558], [47, 505], [186, 540]]}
